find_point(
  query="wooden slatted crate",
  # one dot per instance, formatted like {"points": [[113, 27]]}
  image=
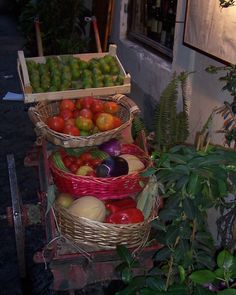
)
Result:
{"points": [[30, 96]]}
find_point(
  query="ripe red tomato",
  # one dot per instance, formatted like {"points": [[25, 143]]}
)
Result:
{"points": [[66, 114], [95, 162], [86, 157], [71, 130], [95, 116], [68, 160], [79, 162], [97, 106], [116, 122], [73, 167], [86, 113], [78, 103], [67, 104], [56, 123], [111, 107], [85, 124], [87, 102], [70, 121], [76, 113], [105, 122]]}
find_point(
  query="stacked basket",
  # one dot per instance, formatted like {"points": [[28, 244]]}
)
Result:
{"points": [[79, 229]]}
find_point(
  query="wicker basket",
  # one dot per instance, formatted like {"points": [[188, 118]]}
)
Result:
{"points": [[43, 111], [103, 188], [101, 235]]}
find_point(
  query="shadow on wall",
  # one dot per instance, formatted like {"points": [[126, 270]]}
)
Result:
{"points": [[146, 104]]}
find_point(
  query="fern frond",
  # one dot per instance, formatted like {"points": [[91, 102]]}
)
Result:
{"points": [[137, 126]]}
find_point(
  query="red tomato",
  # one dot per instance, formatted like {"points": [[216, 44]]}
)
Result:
{"points": [[86, 113], [70, 121], [71, 130], [73, 167], [76, 113], [111, 107], [67, 104], [97, 106], [66, 114], [56, 123], [87, 102], [78, 103], [67, 161], [105, 122], [116, 122], [86, 157], [85, 124], [95, 162], [63, 153], [95, 116], [79, 162]]}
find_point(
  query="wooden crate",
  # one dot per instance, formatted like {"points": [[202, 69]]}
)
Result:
{"points": [[30, 97]]}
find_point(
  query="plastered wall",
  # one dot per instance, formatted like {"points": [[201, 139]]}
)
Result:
{"points": [[151, 73]]}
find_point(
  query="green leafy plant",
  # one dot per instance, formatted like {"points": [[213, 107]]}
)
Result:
{"points": [[228, 110], [194, 181], [170, 125], [222, 279], [62, 25]]}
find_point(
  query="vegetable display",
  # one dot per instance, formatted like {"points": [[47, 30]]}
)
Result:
{"points": [[88, 207], [98, 161], [67, 72], [85, 116], [112, 167]]}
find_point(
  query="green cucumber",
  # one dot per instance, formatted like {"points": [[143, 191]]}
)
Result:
{"points": [[57, 160]]}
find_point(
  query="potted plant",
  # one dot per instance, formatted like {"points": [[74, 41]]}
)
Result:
{"points": [[194, 181]]}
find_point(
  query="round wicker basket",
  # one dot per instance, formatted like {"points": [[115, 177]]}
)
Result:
{"points": [[103, 188], [42, 111], [101, 235]]}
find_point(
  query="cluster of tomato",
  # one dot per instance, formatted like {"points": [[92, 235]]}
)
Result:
{"points": [[84, 165], [85, 116]]}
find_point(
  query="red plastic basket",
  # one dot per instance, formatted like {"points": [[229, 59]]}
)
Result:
{"points": [[103, 188]]}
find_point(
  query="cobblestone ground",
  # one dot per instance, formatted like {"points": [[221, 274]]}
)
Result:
{"points": [[17, 137]]}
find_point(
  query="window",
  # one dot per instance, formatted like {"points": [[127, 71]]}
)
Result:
{"points": [[152, 22]]}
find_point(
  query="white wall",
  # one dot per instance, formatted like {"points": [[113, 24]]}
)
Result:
{"points": [[151, 73]]}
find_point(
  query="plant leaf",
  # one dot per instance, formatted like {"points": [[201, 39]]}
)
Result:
{"points": [[125, 254], [169, 214], [225, 259], [202, 277], [155, 283], [126, 275], [162, 254], [227, 292], [189, 208]]}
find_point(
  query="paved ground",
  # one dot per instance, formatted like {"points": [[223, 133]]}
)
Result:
{"points": [[17, 137]]}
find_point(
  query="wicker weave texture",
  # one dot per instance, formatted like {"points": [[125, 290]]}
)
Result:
{"points": [[102, 235]]}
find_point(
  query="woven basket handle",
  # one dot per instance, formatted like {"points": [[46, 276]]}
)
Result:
{"points": [[39, 125], [134, 109]]}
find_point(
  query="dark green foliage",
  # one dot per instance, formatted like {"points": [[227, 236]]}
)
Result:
{"points": [[171, 126], [62, 25], [228, 111], [194, 181], [137, 126]]}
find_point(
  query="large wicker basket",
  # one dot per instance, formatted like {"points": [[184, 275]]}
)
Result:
{"points": [[103, 188], [40, 113], [102, 235]]}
